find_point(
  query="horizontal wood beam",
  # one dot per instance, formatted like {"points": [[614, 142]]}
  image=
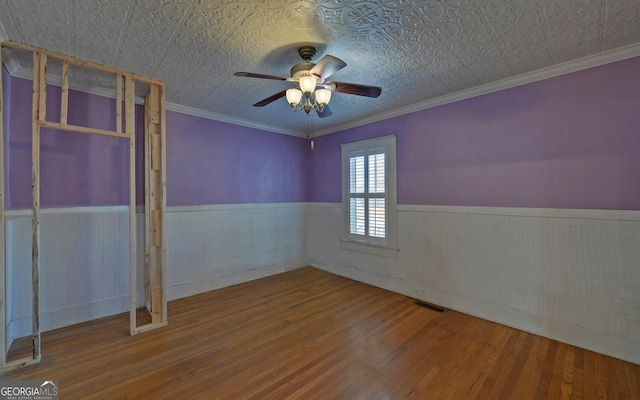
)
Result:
{"points": [[23, 362], [10, 44], [147, 327], [82, 129]]}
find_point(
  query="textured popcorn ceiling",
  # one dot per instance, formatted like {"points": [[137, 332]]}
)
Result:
{"points": [[415, 50]]}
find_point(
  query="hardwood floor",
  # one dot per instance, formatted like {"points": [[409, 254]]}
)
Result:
{"points": [[307, 334]]}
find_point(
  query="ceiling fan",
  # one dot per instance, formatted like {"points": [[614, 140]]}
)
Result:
{"points": [[308, 76]]}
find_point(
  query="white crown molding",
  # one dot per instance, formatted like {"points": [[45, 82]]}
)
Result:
{"points": [[568, 67], [13, 66], [16, 71], [225, 118]]}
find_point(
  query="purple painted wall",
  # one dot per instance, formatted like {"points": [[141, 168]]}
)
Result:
{"points": [[75, 169], [568, 142], [211, 162], [208, 162]]}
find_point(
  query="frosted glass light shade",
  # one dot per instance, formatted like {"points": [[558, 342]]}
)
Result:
{"points": [[294, 96], [323, 96], [307, 84]]}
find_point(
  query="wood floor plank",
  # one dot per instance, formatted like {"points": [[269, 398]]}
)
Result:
{"points": [[634, 382], [589, 388], [454, 368], [602, 376], [566, 387], [528, 379], [497, 380], [517, 370], [546, 375], [577, 391], [497, 342], [308, 334], [555, 387], [536, 372]]}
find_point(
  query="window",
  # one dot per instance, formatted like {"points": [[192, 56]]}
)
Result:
{"points": [[369, 191]]}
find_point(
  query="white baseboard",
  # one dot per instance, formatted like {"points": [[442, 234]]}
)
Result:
{"points": [[220, 281]]}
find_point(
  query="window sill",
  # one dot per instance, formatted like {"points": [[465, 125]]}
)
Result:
{"points": [[370, 248]]}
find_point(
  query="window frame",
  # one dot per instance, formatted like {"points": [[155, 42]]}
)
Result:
{"points": [[366, 243]]}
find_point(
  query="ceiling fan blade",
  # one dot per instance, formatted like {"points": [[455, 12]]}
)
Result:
{"points": [[326, 112], [327, 66], [270, 99], [354, 88], [262, 76]]}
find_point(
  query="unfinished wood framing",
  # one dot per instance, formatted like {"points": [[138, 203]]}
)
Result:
{"points": [[39, 112], [155, 193], [155, 203], [64, 103]]}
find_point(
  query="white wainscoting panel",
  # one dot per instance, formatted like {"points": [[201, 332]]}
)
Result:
{"points": [[216, 246], [571, 275], [84, 271], [84, 266]]}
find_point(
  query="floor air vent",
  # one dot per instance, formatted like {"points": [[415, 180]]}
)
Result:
{"points": [[431, 306]]}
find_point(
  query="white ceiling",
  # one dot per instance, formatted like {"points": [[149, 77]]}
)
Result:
{"points": [[419, 52]]}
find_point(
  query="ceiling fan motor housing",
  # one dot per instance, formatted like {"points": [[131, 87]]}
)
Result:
{"points": [[302, 69]]}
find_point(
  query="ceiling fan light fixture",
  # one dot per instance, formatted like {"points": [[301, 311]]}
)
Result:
{"points": [[323, 96], [307, 75], [294, 96], [307, 85]]}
